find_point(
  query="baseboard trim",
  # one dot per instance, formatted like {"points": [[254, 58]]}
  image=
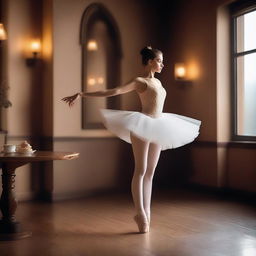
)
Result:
{"points": [[225, 192], [26, 196], [61, 196], [59, 139]]}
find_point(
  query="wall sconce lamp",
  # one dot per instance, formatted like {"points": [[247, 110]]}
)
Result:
{"points": [[180, 72], [92, 45], [35, 48], [3, 34], [187, 73]]}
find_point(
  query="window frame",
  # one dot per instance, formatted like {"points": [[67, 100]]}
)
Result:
{"points": [[236, 10]]}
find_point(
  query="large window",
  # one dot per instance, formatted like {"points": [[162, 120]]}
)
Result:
{"points": [[244, 72]]}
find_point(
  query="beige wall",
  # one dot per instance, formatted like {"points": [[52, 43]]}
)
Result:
{"points": [[104, 164]]}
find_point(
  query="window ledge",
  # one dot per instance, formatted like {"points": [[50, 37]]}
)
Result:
{"points": [[242, 144], [228, 144]]}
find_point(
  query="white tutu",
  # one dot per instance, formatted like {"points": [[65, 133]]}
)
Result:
{"points": [[169, 130]]}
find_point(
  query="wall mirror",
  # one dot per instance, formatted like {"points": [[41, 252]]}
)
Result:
{"points": [[101, 56]]}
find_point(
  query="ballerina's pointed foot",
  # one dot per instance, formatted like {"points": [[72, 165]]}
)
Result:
{"points": [[142, 223]]}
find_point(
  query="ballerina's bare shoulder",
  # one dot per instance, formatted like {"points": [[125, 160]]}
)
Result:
{"points": [[152, 96]]}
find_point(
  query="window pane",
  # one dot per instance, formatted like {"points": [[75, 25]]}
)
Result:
{"points": [[246, 95], [246, 32]]}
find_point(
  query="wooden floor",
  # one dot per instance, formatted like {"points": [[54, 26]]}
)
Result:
{"points": [[184, 223]]}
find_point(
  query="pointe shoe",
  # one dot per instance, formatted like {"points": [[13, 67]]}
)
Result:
{"points": [[142, 223]]}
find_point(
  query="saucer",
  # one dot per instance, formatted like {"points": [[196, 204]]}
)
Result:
{"points": [[7, 153], [29, 153]]}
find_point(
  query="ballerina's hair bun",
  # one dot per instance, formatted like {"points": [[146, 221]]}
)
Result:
{"points": [[148, 53]]}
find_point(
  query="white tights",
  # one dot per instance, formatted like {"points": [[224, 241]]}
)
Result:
{"points": [[146, 156]]}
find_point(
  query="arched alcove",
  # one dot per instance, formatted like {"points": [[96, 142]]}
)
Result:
{"points": [[101, 56]]}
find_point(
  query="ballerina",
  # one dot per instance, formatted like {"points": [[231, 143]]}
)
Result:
{"points": [[148, 131]]}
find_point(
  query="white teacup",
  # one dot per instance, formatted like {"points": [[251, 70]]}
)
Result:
{"points": [[9, 148]]}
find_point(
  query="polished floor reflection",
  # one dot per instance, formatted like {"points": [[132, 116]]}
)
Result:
{"points": [[184, 223]]}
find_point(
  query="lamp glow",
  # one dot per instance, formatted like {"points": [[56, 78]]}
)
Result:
{"points": [[100, 80], [91, 81], [180, 71], [92, 45], [35, 46], [3, 35]]}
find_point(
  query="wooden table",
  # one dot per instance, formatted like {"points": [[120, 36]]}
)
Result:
{"points": [[10, 229]]}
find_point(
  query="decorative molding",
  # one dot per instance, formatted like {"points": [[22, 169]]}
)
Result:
{"points": [[67, 195], [22, 137], [26, 196], [210, 144], [242, 144], [47, 139], [224, 192], [60, 138], [66, 139]]}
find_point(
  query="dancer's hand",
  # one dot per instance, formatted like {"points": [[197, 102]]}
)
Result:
{"points": [[70, 100]]}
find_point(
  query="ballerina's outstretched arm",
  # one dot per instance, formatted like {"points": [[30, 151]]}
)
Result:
{"points": [[135, 84]]}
